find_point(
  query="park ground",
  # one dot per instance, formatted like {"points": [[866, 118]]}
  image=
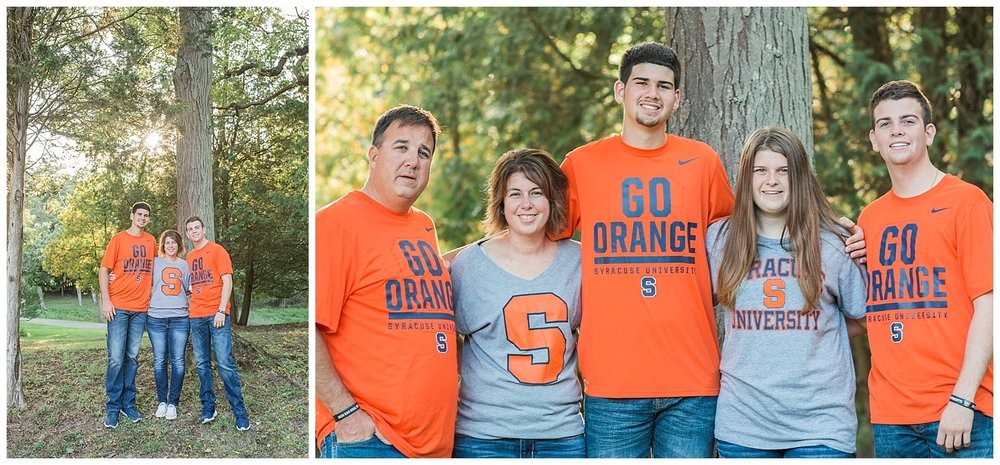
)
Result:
{"points": [[63, 378]]}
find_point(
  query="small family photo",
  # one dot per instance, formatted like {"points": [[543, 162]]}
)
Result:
{"points": [[158, 232], [653, 232]]}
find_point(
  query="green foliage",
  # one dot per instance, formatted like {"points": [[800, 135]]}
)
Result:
{"points": [[926, 48], [496, 78]]}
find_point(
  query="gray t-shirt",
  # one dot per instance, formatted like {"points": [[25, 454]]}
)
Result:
{"points": [[788, 378], [170, 284], [519, 361]]}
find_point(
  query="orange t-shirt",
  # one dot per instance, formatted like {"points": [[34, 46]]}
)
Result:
{"points": [[130, 258], [929, 257], [208, 265], [384, 310], [648, 326]]}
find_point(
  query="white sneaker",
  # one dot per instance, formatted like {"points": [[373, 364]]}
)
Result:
{"points": [[171, 411], [161, 410]]}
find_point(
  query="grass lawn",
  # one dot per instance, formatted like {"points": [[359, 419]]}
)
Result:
{"points": [[66, 308], [63, 376]]}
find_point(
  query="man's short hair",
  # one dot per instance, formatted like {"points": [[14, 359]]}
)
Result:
{"points": [[897, 90], [142, 205], [192, 219], [650, 52], [407, 115]]}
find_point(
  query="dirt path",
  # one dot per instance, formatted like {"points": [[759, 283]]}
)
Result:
{"points": [[66, 323]]}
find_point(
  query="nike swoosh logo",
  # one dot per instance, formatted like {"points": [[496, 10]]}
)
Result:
{"points": [[684, 162], [429, 229], [938, 210]]}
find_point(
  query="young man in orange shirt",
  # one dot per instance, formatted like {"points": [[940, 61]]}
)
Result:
{"points": [[930, 293], [211, 328], [124, 303], [386, 371]]}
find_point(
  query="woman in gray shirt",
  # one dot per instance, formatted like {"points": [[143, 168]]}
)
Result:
{"points": [[517, 302], [167, 322]]}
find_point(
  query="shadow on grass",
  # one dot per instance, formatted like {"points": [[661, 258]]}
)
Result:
{"points": [[63, 375]]}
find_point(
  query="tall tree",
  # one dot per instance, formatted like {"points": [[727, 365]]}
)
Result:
{"points": [[193, 87], [20, 26], [741, 69]]}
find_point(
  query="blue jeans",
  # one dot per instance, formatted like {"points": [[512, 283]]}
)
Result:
{"points": [[169, 336], [728, 450], [665, 426], [371, 448], [124, 337], [920, 441], [572, 447], [205, 339]]}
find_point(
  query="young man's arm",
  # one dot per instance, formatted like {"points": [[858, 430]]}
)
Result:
{"points": [[955, 428], [335, 397], [107, 310], [227, 291], [855, 244]]}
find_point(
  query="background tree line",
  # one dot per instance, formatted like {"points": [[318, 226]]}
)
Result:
{"points": [[502, 78]]}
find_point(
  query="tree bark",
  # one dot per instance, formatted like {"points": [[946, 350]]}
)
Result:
{"points": [[193, 85], [79, 296], [20, 22], [741, 69], [41, 296], [974, 92]]}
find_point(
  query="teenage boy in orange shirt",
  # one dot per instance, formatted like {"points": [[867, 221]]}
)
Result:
{"points": [[930, 293]]}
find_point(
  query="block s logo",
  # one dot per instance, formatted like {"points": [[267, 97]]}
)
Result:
{"points": [[442, 342], [896, 330], [648, 284]]}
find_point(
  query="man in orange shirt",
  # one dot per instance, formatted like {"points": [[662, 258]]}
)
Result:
{"points": [[386, 371], [124, 303], [930, 293], [211, 329]]}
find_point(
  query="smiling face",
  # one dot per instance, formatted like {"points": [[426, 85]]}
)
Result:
{"points": [[649, 97], [900, 135], [525, 206], [140, 218], [400, 166], [770, 183], [195, 232], [170, 246]]}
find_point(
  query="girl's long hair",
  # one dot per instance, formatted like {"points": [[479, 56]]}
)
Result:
{"points": [[807, 214]]}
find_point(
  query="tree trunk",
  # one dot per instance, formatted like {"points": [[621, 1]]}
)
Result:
{"points": [[193, 86], [974, 92], [247, 294], [869, 30], [741, 69], [79, 296], [41, 296], [93, 294], [20, 22]]}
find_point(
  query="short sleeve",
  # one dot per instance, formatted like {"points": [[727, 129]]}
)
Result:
{"points": [[572, 201], [110, 254], [851, 284], [335, 269], [975, 244], [720, 193], [223, 263]]}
